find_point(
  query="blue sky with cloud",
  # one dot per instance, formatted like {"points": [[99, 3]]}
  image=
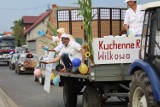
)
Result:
{"points": [[11, 10]]}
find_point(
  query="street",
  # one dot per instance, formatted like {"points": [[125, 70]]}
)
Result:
{"points": [[26, 93]]}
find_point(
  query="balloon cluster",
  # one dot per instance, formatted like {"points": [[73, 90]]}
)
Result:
{"points": [[82, 67], [41, 33], [76, 62]]}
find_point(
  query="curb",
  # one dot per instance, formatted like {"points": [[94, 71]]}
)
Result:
{"points": [[5, 101]]}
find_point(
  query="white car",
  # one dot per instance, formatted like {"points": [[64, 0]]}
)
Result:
{"points": [[12, 60]]}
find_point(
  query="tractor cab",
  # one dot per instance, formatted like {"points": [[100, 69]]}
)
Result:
{"points": [[150, 42], [145, 82]]}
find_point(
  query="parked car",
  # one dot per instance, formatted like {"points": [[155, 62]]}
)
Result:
{"points": [[24, 64], [12, 60]]}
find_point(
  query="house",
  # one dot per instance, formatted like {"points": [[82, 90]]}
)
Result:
{"points": [[32, 24]]}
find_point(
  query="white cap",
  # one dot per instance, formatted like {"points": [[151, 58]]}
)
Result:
{"points": [[129, 0], [61, 30], [65, 36]]}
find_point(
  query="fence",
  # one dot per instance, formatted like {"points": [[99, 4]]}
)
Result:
{"points": [[106, 21]]}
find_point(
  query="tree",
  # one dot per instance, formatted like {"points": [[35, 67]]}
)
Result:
{"points": [[17, 28]]}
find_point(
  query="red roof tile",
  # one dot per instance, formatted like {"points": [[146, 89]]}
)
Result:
{"points": [[41, 17], [7, 33], [30, 19]]}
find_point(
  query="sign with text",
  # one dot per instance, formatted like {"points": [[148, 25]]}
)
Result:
{"points": [[110, 50]]}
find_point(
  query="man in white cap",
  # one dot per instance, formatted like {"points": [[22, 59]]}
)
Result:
{"points": [[57, 39], [133, 21], [70, 50]]}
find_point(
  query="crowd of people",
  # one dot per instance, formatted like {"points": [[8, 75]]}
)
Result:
{"points": [[68, 49]]}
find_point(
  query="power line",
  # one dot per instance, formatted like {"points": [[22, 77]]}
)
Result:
{"points": [[22, 9]]}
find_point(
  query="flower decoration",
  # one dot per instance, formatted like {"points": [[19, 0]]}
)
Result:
{"points": [[87, 54]]}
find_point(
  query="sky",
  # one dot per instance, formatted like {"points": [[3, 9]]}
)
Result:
{"points": [[11, 10]]}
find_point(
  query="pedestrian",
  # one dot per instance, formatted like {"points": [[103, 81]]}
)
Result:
{"points": [[133, 21], [70, 50]]}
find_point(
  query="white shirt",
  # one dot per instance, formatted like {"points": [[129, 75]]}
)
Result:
{"points": [[134, 20], [59, 42], [72, 49]]}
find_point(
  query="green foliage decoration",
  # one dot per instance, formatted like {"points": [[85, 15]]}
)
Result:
{"points": [[54, 30], [86, 12]]}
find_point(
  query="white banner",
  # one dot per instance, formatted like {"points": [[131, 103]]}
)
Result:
{"points": [[47, 82], [113, 50], [48, 72]]}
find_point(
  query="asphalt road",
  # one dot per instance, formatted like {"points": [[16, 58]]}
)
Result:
{"points": [[26, 93]]}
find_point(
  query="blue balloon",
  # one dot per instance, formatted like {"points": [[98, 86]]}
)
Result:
{"points": [[56, 80], [41, 33], [76, 62]]}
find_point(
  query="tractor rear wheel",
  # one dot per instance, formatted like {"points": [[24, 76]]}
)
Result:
{"points": [[69, 93], [141, 94], [91, 97]]}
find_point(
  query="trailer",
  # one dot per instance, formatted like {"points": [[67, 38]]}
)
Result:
{"points": [[107, 77]]}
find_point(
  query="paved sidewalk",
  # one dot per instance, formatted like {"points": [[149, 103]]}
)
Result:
{"points": [[5, 101]]}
